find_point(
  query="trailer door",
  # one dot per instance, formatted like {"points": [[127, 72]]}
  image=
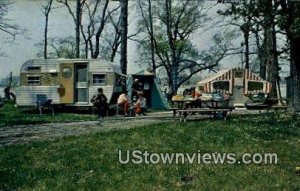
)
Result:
{"points": [[81, 83], [67, 83]]}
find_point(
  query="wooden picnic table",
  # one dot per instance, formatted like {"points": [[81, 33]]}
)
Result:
{"points": [[198, 103], [187, 107], [181, 103]]}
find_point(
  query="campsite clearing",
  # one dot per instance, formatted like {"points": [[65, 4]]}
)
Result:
{"points": [[90, 161]]}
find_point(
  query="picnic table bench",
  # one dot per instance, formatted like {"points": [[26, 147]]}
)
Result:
{"points": [[276, 108], [183, 113], [174, 110], [268, 105]]}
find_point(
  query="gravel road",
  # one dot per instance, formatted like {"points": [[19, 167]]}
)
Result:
{"points": [[51, 131], [25, 133]]}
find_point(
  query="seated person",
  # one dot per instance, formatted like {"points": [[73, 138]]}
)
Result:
{"points": [[123, 101], [140, 105], [227, 96], [198, 93]]}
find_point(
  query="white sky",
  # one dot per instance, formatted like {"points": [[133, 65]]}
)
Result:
{"points": [[27, 14]]}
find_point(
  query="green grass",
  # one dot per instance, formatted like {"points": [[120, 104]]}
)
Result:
{"points": [[91, 161], [10, 115]]}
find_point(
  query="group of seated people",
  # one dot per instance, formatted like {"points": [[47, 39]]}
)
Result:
{"points": [[195, 97], [197, 93], [136, 107]]}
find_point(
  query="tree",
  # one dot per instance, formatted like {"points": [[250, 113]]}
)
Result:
{"points": [[111, 43], [124, 33], [257, 15], [243, 15], [5, 26], [77, 18], [46, 8], [270, 43], [60, 47], [148, 21], [175, 22], [7, 93], [7, 30], [92, 20], [93, 31], [78, 24], [290, 22]]}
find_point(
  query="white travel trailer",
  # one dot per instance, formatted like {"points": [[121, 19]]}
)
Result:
{"points": [[69, 82]]}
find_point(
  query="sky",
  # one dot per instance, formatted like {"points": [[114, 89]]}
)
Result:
{"points": [[27, 14]]}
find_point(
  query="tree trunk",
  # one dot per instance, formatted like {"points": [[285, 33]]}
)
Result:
{"points": [[77, 28], [152, 46], [294, 89], [270, 48], [7, 88], [246, 36], [291, 11], [245, 28], [113, 53], [46, 38], [124, 31], [86, 42], [100, 30], [174, 62], [47, 10], [262, 60], [276, 63], [260, 52]]}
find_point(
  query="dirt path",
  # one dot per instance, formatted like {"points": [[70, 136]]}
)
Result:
{"points": [[51, 131], [26, 133]]}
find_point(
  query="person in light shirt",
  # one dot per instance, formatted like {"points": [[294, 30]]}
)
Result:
{"points": [[198, 92], [123, 101], [141, 105]]}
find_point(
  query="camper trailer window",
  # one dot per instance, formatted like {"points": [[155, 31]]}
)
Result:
{"points": [[201, 88], [33, 80], [252, 86], [221, 85], [99, 79], [239, 74], [67, 72], [33, 68]]}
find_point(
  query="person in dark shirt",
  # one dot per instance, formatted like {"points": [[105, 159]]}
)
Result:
{"points": [[100, 102], [137, 88]]}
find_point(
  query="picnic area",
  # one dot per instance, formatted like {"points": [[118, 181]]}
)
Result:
{"points": [[150, 95], [69, 151]]}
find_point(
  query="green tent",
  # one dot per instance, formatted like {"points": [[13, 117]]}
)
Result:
{"points": [[156, 99]]}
